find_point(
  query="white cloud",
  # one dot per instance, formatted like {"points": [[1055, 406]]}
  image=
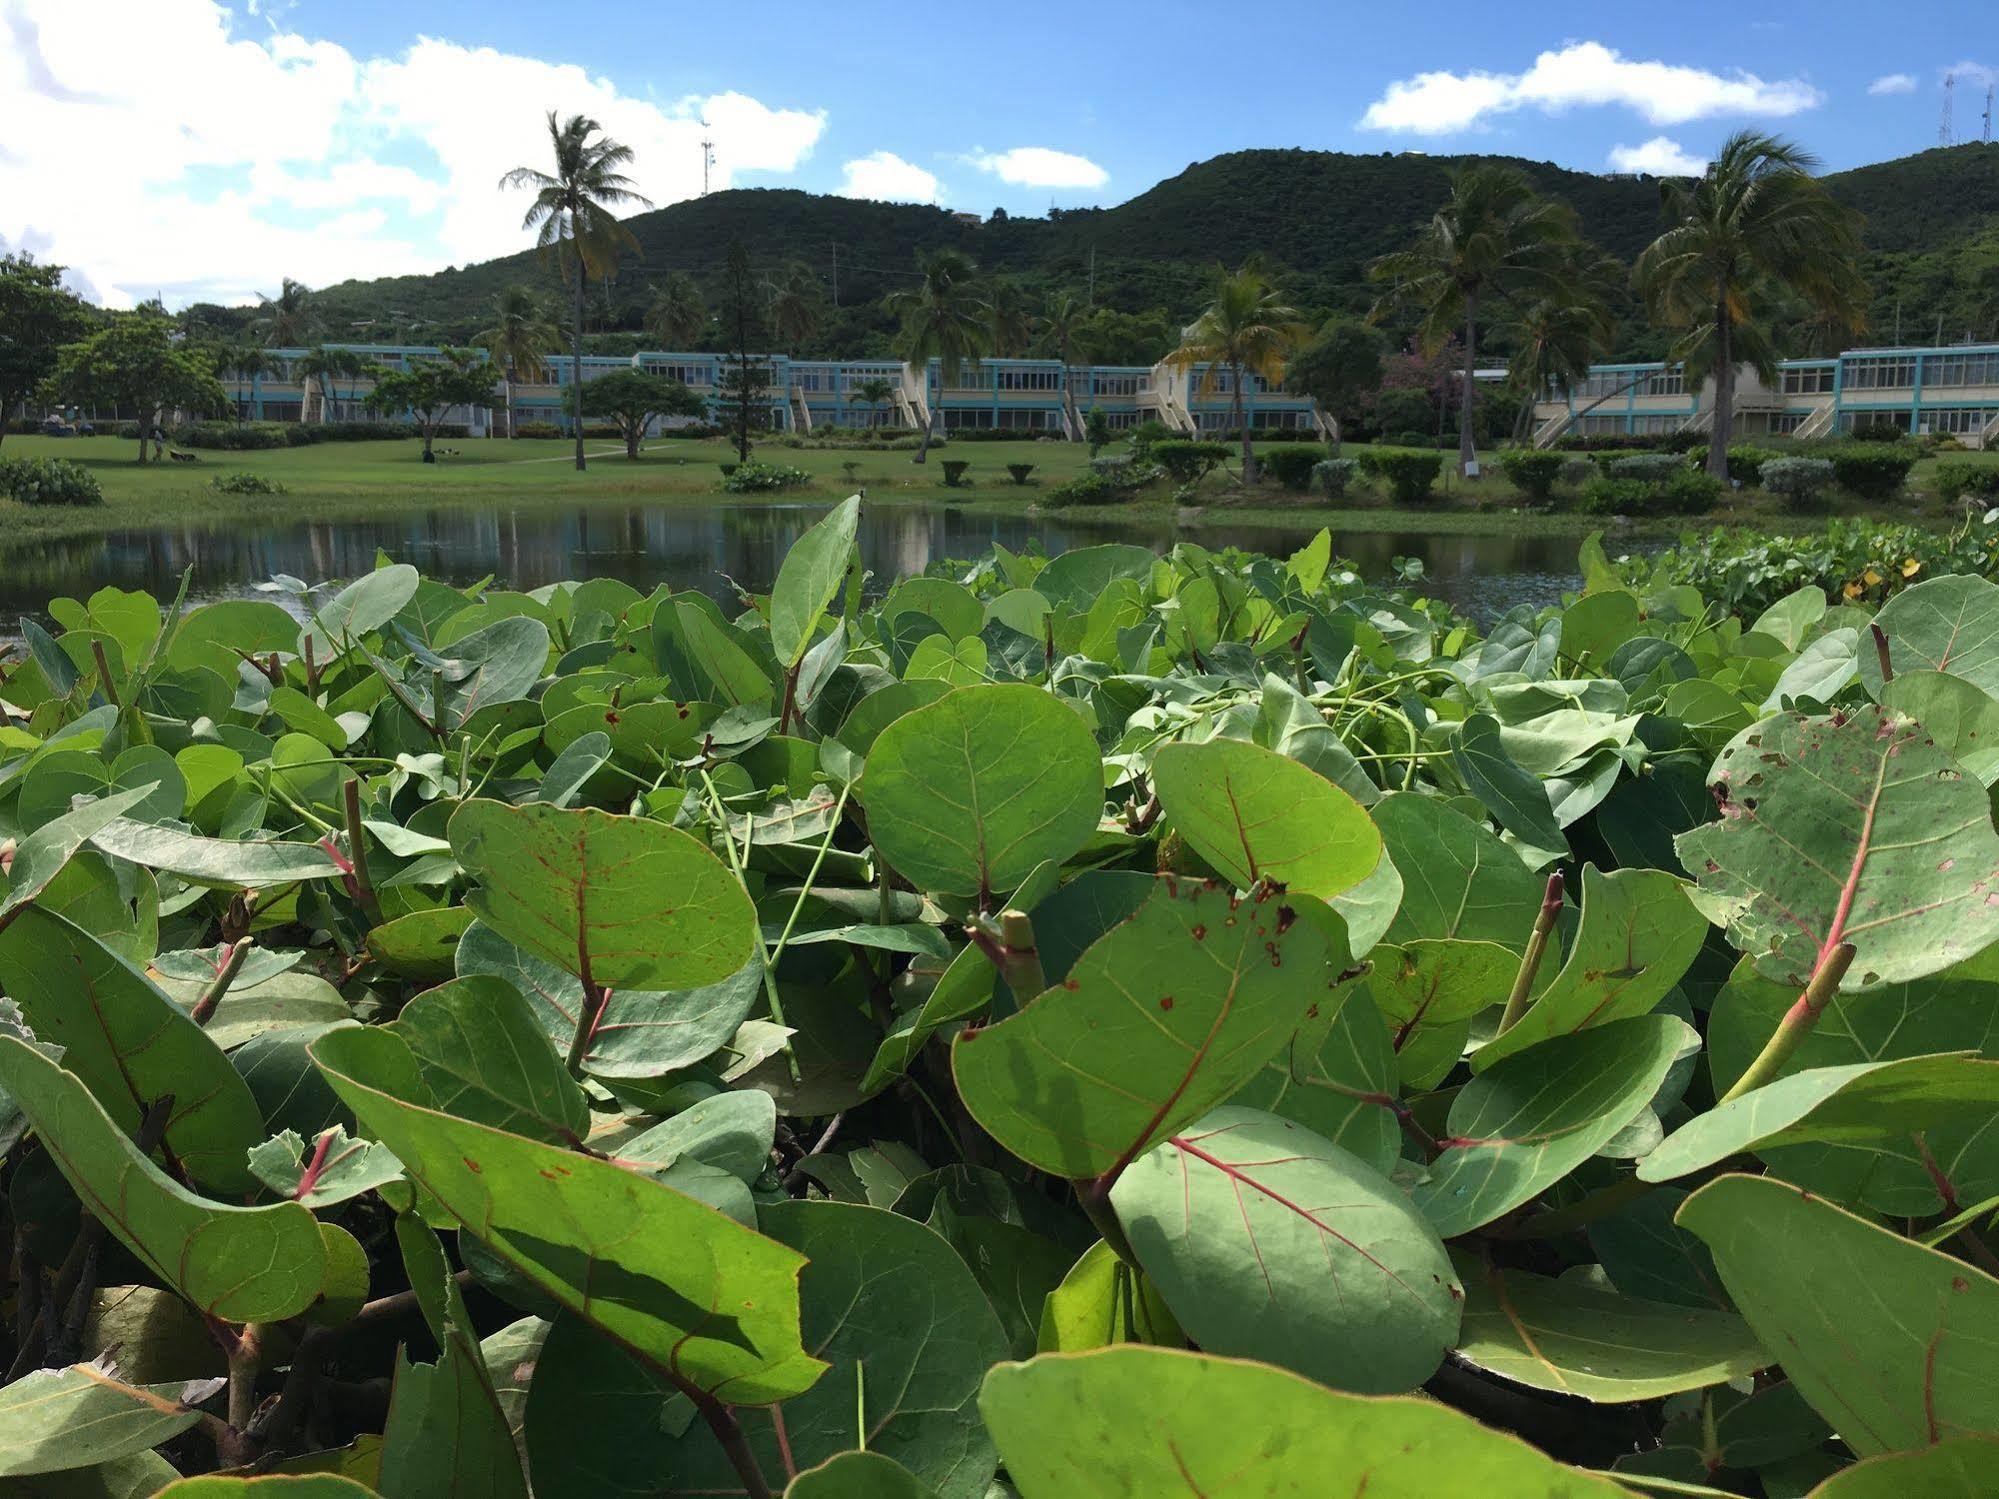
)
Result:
{"points": [[1580, 74], [1893, 83], [1658, 157], [1037, 166], [202, 161], [887, 178], [1977, 74]]}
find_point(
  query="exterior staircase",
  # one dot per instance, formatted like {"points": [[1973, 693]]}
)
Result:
{"points": [[1700, 421], [1986, 437], [801, 413], [1072, 419], [1552, 428], [1818, 424]]}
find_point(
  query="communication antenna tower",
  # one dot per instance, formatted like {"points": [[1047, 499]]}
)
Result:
{"points": [[1987, 136], [1946, 133], [707, 157]]}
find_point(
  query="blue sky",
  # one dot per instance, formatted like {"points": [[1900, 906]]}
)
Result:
{"points": [[363, 138]]}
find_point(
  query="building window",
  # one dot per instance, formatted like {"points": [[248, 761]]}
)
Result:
{"points": [[1898, 417], [1812, 380], [1960, 369], [1605, 383], [1959, 421], [1787, 421], [1895, 372], [1666, 383]]}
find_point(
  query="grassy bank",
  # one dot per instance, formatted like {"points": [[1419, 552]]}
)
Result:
{"points": [[334, 481]]}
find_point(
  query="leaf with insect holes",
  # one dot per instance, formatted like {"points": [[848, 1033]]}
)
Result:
{"points": [[665, 1275], [1894, 1344], [332, 1169], [1161, 1019], [1254, 814], [1273, 1244], [1851, 828], [1520, 1127], [239, 1264], [131, 1045], [968, 795], [1575, 1339], [621, 902], [1637, 937], [1156, 1421], [57, 1420]]}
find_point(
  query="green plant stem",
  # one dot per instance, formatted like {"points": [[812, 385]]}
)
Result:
{"points": [[211, 997], [1797, 1023], [1094, 1197], [1530, 960], [1009, 946]]}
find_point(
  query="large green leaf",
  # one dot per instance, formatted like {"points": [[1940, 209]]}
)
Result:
{"points": [[1163, 1424], [858, 1475], [1458, 880], [1269, 1242], [269, 1486], [893, 1311], [1960, 1468], [40, 856], [1522, 1126], [1254, 814], [621, 902], [131, 1045], [252, 864], [1574, 1339], [363, 606], [484, 1057], [1160, 1020], [1427, 990], [1101, 1301], [638, 1034], [674, 1281], [1941, 624], [1894, 1344], [1854, 828], [1955, 1011], [58, 1419], [1517, 800], [1866, 1105], [1337, 1078], [234, 1263], [966, 796], [809, 579], [1963, 719], [1638, 936]]}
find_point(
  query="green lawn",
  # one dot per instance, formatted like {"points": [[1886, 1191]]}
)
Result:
{"points": [[334, 480]]}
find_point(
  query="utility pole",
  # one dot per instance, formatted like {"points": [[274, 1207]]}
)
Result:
{"points": [[836, 273], [1091, 299]]}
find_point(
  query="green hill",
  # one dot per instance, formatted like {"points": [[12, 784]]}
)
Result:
{"points": [[1321, 216]]}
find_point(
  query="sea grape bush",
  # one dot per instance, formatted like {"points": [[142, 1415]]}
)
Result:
{"points": [[1110, 1024]]}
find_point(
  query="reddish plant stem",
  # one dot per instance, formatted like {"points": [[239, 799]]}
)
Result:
{"points": [[211, 997], [1881, 650], [357, 850], [1797, 1023], [104, 682], [1530, 960]]}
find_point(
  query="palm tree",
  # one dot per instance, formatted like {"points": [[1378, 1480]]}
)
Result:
{"points": [[1494, 238], [573, 220], [941, 321], [877, 393], [678, 315], [326, 364], [285, 320], [1754, 225], [1009, 325], [793, 305], [247, 362], [1061, 325], [521, 338], [1560, 333], [1248, 329]]}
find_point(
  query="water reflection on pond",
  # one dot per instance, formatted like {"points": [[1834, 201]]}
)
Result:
{"points": [[706, 547]]}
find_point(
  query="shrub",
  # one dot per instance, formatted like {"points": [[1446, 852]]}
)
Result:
{"points": [[1413, 439], [1872, 470], [1603, 495], [1333, 475], [1408, 475], [1533, 471], [245, 483], [1956, 480], [1186, 460], [1802, 482], [1291, 464], [1745, 464], [48, 481], [728, 468], [1630, 442], [537, 429], [1086, 489], [1147, 435], [850, 470], [1878, 431], [1648, 468], [1690, 491], [760, 478], [1403, 409], [1578, 468], [954, 472], [1020, 471], [237, 437]]}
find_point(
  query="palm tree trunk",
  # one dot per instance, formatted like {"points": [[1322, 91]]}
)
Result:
{"points": [[930, 416], [576, 363], [1467, 453], [1242, 426], [1521, 421], [507, 395], [1724, 388]]}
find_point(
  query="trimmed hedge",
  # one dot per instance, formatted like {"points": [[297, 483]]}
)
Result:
{"points": [[1533, 471], [1409, 476], [1872, 470], [760, 478], [48, 481], [1802, 482], [1956, 480], [245, 483], [954, 472], [1333, 475], [1291, 463], [1650, 468], [1745, 464], [1185, 459]]}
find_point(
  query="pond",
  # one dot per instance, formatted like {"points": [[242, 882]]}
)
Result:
{"points": [[708, 547]]}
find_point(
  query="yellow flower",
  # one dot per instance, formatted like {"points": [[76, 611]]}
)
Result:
{"points": [[1873, 579], [1852, 590], [1910, 567]]}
